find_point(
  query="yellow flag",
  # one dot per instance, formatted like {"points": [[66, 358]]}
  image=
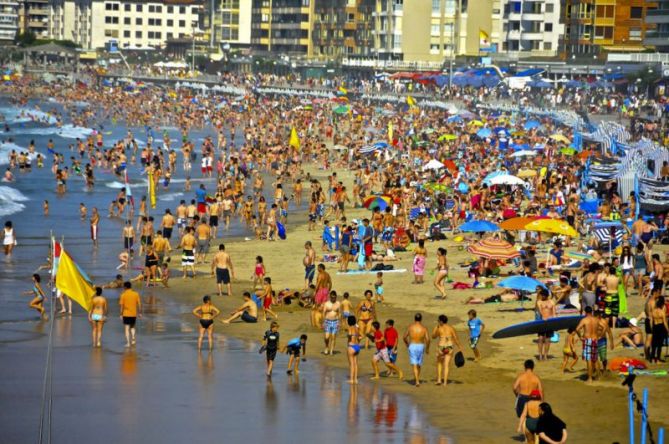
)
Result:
{"points": [[152, 190], [411, 101], [390, 132], [71, 282], [294, 139]]}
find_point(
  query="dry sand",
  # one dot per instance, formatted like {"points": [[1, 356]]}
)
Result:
{"points": [[478, 403]]}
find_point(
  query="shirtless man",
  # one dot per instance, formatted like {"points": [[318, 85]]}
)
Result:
{"points": [[331, 316], [604, 335], [203, 232], [182, 212], [128, 237], [248, 311], [191, 212], [227, 205], [188, 257], [417, 339], [214, 213], [97, 316], [167, 225], [547, 310], [587, 331], [221, 266], [525, 383], [161, 246], [95, 222], [587, 285], [611, 300], [146, 234], [309, 264]]}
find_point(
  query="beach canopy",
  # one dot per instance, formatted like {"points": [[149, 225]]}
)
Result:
{"points": [[374, 202], [433, 164], [524, 283], [531, 124], [484, 132], [517, 223], [493, 249], [506, 179], [560, 138], [478, 226], [523, 153], [553, 226]]}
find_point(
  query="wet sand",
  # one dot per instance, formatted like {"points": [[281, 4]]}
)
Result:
{"points": [[478, 403]]}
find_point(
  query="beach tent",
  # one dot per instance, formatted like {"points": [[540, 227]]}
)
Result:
{"points": [[433, 164]]}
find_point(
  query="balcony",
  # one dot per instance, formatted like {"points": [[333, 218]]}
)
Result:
{"points": [[533, 35], [657, 16], [37, 24]]}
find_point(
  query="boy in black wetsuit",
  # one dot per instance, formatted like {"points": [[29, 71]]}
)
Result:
{"points": [[271, 346]]}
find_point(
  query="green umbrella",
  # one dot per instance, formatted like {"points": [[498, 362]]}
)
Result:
{"points": [[341, 109], [568, 151]]}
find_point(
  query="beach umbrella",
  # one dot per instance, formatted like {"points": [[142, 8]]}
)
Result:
{"points": [[524, 283], [484, 132], [454, 119], [433, 164], [568, 151], [478, 226], [447, 137], [518, 133], [450, 165], [374, 202], [553, 226], [560, 138], [436, 187], [506, 179], [493, 249], [526, 173], [517, 223], [531, 124], [467, 115], [476, 123], [341, 109], [523, 153]]}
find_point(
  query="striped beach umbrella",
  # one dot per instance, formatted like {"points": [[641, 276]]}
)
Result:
{"points": [[493, 249]]}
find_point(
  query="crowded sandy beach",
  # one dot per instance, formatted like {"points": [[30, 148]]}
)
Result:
{"points": [[497, 258]]}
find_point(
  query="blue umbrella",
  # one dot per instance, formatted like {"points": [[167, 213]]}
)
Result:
{"points": [[478, 226], [484, 132], [381, 145], [456, 119], [531, 124], [524, 283]]}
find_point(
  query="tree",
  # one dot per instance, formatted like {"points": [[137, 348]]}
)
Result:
{"points": [[25, 38]]}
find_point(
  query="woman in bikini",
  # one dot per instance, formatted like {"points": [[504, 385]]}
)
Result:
{"points": [[353, 349], [442, 272], [366, 314], [206, 313], [97, 316], [448, 338], [39, 297]]}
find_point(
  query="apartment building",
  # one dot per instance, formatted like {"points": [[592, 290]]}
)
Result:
{"points": [[231, 23], [9, 20], [34, 17], [595, 27], [343, 28], [657, 26], [531, 28], [282, 27]]}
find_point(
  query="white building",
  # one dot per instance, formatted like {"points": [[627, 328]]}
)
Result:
{"points": [[233, 23], [530, 28], [133, 24], [9, 19]]}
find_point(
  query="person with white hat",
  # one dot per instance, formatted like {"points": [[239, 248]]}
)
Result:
{"points": [[632, 336]]}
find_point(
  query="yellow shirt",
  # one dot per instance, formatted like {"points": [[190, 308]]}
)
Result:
{"points": [[129, 302]]}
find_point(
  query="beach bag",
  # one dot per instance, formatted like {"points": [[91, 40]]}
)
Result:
{"points": [[378, 267], [459, 359]]}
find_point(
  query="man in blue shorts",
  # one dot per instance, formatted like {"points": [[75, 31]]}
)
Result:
{"points": [[417, 340]]}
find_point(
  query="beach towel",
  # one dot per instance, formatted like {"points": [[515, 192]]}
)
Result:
{"points": [[461, 286]]}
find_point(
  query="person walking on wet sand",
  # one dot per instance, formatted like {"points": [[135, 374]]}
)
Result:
{"points": [[587, 331], [417, 339], [206, 313], [271, 346], [221, 266], [382, 353], [293, 348], [524, 384], [353, 349], [188, 256], [131, 309], [547, 310], [97, 316], [448, 338]]}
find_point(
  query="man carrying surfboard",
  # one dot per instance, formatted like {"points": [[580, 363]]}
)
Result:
{"points": [[587, 331]]}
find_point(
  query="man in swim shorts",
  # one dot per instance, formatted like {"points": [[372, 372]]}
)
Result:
{"points": [[587, 330], [331, 316], [417, 339], [131, 306], [247, 312], [221, 265], [309, 264]]}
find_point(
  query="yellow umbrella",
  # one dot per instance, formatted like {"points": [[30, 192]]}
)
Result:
{"points": [[560, 138], [526, 173], [476, 123], [553, 226], [518, 133], [447, 137]]}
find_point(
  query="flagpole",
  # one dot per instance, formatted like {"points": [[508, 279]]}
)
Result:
{"points": [[45, 412]]}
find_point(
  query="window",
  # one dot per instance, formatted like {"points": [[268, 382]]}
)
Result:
{"points": [[548, 27], [182, 23], [170, 22], [194, 10], [263, 18], [635, 34], [548, 46], [169, 35], [155, 22], [155, 35], [636, 12], [350, 17], [435, 30], [170, 9], [138, 21], [449, 7], [448, 29], [126, 34], [603, 32], [111, 6], [182, 9], [549, 7], [152, 8], [225, 33], [138, 8], [127, 7], [436, 7], [138, 34], [159, 9], [126, 20], [111, 20]]}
